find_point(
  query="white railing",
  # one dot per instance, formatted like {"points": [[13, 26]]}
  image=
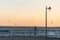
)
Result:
{"points": [[12, 33]]}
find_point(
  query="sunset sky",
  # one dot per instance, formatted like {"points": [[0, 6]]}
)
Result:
{"points": [[29, 12]]}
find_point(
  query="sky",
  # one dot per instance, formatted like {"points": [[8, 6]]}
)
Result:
{"points": [[29, 12]]}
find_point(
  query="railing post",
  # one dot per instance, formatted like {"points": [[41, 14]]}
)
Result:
{"points": [[11, 33]]}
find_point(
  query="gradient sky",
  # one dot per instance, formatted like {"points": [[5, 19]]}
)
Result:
{"points": [[29, 12]]}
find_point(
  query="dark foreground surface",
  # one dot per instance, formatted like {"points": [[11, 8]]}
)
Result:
{"points": [[27, 38]]}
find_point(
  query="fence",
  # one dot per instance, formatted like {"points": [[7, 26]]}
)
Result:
{"points": [[50, 33]]}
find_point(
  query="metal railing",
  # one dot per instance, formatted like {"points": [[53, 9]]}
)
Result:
{"points": [[50, 33]]}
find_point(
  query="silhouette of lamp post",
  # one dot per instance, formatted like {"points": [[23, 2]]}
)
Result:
{"points": [[47, 8], [35, 31]]}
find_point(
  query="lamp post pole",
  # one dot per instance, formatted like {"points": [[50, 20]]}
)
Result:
{"points": [[35, 31], [46, 20]]}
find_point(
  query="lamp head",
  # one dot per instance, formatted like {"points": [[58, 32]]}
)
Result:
{"points": [[49, 8]]}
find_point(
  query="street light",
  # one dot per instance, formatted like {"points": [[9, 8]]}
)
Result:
{"points": [[35, 31], [47, 8]]}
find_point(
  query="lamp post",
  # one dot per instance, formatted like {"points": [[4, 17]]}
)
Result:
{"points": [[35, 31], [47, 8]]}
